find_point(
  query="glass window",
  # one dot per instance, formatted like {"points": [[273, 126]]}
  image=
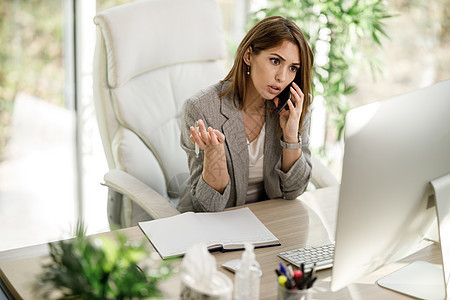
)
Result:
{"points": [[37, 191]]}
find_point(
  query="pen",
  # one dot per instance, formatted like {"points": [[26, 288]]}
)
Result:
{"points": [[301, 283], [283, 270], [313, 271], [297, 276], [290, 271], [298, 279], [197, 148], [291, 278], [310, 284], [282, 280]]}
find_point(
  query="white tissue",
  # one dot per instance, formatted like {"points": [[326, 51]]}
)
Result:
{"points": [[199, 272]]}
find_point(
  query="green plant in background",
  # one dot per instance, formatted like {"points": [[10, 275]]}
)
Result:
{"points": [[101, 268], [342, 35], [31, 55]]}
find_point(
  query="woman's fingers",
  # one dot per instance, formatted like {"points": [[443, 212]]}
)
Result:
{"points": [[296, 101], [203, 133], [289, 119], [216, 136], [212, 136], [220, 136], [276, 101], [195, 137], [205, 136]]}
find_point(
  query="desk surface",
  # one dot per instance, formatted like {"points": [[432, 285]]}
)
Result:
{"points": [[296, 223]]}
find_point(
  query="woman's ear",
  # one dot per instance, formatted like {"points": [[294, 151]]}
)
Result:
{"points": [[247, 55]]}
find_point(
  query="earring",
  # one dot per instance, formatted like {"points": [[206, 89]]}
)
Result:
{"points": [[248, 70]]}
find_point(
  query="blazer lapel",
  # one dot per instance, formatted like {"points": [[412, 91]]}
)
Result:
{"points": [[272, 152], [235, 139]]}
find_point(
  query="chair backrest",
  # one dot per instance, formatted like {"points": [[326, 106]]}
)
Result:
{"points": [[151, 56]]}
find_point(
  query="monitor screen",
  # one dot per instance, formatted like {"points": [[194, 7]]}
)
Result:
{"points": [[393, 149]]}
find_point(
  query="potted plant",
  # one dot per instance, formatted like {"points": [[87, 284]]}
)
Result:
{"points": [[101, 268], [342, 34]]}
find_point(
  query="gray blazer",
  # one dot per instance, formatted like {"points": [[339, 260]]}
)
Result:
{"points": [[222, 114]]}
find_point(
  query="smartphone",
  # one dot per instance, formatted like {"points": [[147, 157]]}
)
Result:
{"points": [[284, 96]]}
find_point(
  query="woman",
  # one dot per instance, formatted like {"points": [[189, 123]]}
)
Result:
{"points": [[247, 151]]}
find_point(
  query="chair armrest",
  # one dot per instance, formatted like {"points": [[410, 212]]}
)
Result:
{"points": [[143, 195], [321, 175]]}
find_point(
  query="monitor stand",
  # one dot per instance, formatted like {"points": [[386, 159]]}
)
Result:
{"points": [[422, 279]]}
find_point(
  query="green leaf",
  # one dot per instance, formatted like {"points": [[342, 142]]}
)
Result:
{"points": [[355, 29], [102, 268], [350, 90], [111, 251], [375, 38]]}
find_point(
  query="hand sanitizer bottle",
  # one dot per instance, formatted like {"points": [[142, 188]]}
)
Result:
{"points": [[247, 276]]}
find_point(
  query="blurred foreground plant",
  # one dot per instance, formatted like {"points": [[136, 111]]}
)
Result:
{"points": [[101, 268]]}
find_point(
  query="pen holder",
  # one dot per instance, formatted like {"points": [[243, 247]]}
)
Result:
{"points": [[287, 294], [223, 289]]}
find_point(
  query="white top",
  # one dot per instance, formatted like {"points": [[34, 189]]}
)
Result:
{"points": [[255, 167]]}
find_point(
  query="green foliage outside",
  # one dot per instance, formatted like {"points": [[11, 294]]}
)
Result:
{"points": [[101, 268], [342, 34], [30, 55]]}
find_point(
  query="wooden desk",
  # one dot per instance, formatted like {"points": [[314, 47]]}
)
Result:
{"points": [[293, 222]]}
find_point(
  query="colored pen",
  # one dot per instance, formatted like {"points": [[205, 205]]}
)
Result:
{"points": [[291, 278], [301, 283], [313, 271], [282, 280], [283, 270], [297, 279], [310, 284], [290, 271], [297, 276]]}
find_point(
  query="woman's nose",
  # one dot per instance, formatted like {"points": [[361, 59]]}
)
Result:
{"points": [[280, 76]]}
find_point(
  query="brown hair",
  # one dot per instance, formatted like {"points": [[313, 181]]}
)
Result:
{"points": [[268, 33]]}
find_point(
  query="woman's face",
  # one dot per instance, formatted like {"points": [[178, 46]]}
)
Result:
{"points": [[272, 69]]}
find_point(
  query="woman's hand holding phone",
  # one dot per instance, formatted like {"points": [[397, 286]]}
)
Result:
{"points": [[282, 99], [290, 118]]}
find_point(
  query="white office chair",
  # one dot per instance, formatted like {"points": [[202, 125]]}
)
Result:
{"points": [[321, 176], [150, 57]]}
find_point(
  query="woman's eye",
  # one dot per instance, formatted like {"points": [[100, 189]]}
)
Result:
{"points": [[294, 69], [275, 61]]}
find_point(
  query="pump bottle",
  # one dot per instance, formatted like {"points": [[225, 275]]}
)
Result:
{"points": [[247, 276]]}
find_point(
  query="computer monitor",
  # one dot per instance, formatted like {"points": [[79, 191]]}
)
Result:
{"points": [[393, 150]]}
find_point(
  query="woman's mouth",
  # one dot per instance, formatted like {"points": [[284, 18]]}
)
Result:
{"points": [[274, 89]]}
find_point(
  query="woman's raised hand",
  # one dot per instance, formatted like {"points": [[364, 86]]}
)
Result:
{"points": [[206, 137], [215, 171]]}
